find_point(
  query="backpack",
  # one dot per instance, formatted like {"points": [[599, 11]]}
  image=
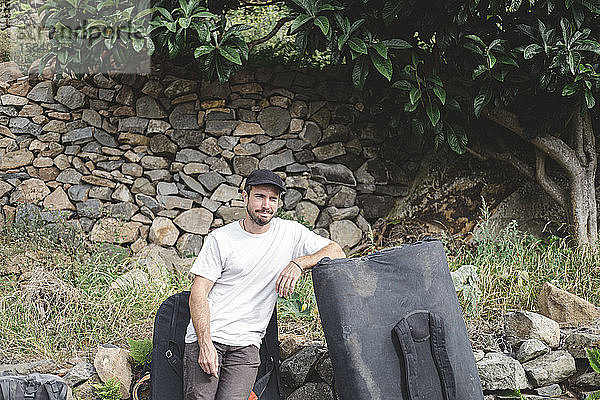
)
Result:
{"points": [[394, 327], [33, 387], [166, 369]]}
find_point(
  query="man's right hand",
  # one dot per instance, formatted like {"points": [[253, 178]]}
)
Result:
{"points": [[209, 359]]}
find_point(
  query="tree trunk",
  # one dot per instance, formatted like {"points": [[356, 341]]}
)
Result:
{"points": [[579, 162]]}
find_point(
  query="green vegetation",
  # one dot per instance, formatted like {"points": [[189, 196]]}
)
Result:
{"points": [[109, 390], [140, 351], [594, 359], [56, 298]]}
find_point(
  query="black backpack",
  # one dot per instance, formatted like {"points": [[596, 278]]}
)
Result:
{"points": [[166, 369], [33, 387]]}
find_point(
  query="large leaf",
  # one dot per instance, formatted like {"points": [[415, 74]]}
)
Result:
{"points": [[594, 358], [476, 39], [590, 102], [433, 113], [381, 49], [383, 65], [402, 85], [357, 44], [531, 50], [414, 95], [481, 100], [569, 89], [457, 138], [440, 93], [323, 23], [230, 54], [203, 50], [299, 22], [587, 45], [360, 72]]}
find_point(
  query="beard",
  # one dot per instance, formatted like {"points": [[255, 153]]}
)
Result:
{"points": [[259, 220]]}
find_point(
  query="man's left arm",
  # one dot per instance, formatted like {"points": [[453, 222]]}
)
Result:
{"points": [[291, 273]]}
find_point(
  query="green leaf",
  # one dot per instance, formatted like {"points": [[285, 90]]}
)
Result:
{"points": [[594, 358], [440, 93], [569, 89], [381, 49], [383, 65], [356, 24], [184, 22], [476, 39], [203, 50], [568, 3], [231, 54], [531, 50], [590, 102], [491, 60], [481, 100], [326, 7], [457, 138], [433, 112], [480, 69], [358, 45], [360, 72], [414, 95], [507, 60], [402, 85], [299, 22], [587, 45], [323, 23], [473, 48], [417, 127], [140, 351]]}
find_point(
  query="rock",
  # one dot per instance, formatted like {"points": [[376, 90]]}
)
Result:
{"points": [[43, 92], [316, 193], [190, 155], [311, 133], [564, 307], [80, 373], [374, 206], [166, 188], [58, 200], [246, 149], [189, 245], [523, 325], [41, 367], [553, 390], [161, 144], [345, 233], [98, 181], [325, 369], [132, 124], [294, 369], [333, 173], [343, 197], [173, 202], [12, 100], [329, 151], [163, 232], [122, 193], [89, 208], [70, 97], [338, 214], [122, 210], [79, 136], [92, 118], [244, 165], [149, 202], [248, 129], [16, 159], [230, 214], [111, 361], [291, 198], [531, 349], [550, 368], [225, 193], [184, 116], [196, 220], [180, 87], [5, 188], [187, 137], [105, 139], [308, 211], [501, 372], [274, 161], [586, 380], [192, 184], [10, 71], [313, 391], [70, 176], [147, 107], [211, 180], [290, 345], [577, 342], [158, 126], [274, 120], [111, 230], [30, 191], [24, 126]]}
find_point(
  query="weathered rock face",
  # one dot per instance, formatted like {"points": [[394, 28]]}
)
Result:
{"points": [[564, 307], [111, 361], [550, 368], [501, 372], [523, 325]]}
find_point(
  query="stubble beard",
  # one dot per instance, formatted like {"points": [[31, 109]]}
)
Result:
{"points": [[257, 219]]}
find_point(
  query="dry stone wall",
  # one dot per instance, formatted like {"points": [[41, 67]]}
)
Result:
{"points": [[159, 159]]}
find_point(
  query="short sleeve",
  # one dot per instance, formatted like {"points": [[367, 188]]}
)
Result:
{"points": [[208, 263], [308, 242]]}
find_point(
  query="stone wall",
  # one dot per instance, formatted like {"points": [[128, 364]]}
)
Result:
{"points": [[159, 159]]}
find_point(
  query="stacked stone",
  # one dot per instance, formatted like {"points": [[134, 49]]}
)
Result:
{"points": [[142, 159]]}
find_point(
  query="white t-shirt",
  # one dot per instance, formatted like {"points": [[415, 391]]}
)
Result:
{"points": [[244, 268]]}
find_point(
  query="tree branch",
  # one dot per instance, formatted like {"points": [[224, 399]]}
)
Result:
{"points": [[269, 35], [509, 158], [550, 145], [550, 186]]}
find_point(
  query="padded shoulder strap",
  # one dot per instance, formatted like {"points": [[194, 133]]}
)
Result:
{"points": [[409, 355], [440, 356], [174, 351]]}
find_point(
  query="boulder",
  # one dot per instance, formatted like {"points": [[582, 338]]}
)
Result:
{"points": [[10, 71], [30, 191], [113, 362], [43, 92], [308, 211], [523, 325], [345, 233], [16, 159], [80, 373], [196, 221], [58, 200], [498, 371], [189, 245], [111, 230], [295, 369], [576, 342], [70, 97], [564, 307], [313, 391], [531, 349], [550, 368], [274, 161], [163, 232], [274, 120]]}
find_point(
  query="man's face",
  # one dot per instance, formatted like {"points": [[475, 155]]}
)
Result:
{"points": [[261, 203]]}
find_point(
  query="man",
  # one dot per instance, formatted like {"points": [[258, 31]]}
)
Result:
{"points": [[239, 272]]}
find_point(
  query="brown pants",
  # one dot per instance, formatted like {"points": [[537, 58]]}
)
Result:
{"points": [[238, 366]]}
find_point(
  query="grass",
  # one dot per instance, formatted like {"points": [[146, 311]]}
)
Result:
{"points": [[56, 301]]}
